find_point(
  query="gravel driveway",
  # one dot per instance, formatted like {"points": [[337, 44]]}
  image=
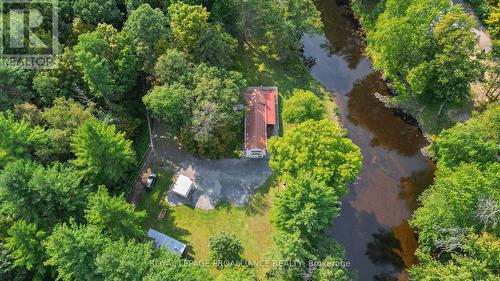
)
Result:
{"points": [[232, 180]]}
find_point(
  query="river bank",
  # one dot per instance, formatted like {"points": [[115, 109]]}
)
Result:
{"points": [[373, 223], [431, 118]]}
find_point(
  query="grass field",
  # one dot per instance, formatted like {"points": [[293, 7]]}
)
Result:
{"points": [[195, 226]]}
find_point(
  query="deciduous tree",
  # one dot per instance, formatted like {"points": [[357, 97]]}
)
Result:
{"points": [[446, 77], [306, 207], [109, 64], [147, 28], [18, 139], [172, 67], [476, 140], [215, 47], [169, 104], [98, 11], [188, 24], [453, 200], [63, 119], [321, 149], [225, 247], [302, 106]]}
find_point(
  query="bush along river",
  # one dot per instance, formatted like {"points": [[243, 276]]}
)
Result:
{"points": [[373, 225]]}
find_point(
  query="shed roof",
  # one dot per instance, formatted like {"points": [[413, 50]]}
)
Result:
{"points": [[183, 185], [163, 240]]}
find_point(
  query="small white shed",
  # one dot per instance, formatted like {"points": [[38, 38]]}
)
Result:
{"points": [[183, 186]]}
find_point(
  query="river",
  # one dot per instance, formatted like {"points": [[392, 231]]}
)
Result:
{"points": [[373, 225]]}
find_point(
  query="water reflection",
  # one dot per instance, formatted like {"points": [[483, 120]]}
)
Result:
{"points": [[344, 44], [373, 222], [413, 185], [384, 249], [365, 110]]}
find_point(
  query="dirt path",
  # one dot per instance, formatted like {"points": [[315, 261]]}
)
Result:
{"points": [[485, 45]]}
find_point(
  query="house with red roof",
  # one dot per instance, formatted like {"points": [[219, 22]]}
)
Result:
{"points": [[261, 120]]}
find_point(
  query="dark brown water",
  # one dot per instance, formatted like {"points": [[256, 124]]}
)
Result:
{"points": [[373, 223]]}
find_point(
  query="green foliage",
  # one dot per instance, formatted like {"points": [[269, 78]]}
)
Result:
{"points": [[147, 28], [25, 248], [14, 87], [284, 23], [188, 24], [59, 80], [169, 104], [492, 72], [306, 207], [125, 261], [42, 195], [7, 271], [215, 47], [66, 114], [475, 141], [489, 13], [478, 260], [171, 67], [63, 119], [454, 44], [400, 40], [108, 63], [321, 149], [102, 154], [225, 248], [169, 266], [73, 249], [302, 106], [208, 124], [193, 34], [98, 11], [454, 201], [114, 216], [330, 270], [18, 139], [294, 254], [332, 265], [227, 12], [435, 66]]}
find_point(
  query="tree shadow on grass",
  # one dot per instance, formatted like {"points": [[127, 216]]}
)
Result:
{"points": [[260, 201], [153, 202], [168, 226]]}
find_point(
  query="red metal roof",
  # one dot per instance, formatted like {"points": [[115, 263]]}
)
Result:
{"points": [[271, 107], [255, 121], [261, 112]]}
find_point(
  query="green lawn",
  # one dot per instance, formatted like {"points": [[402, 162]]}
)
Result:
{"points": [[195, 226]]}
